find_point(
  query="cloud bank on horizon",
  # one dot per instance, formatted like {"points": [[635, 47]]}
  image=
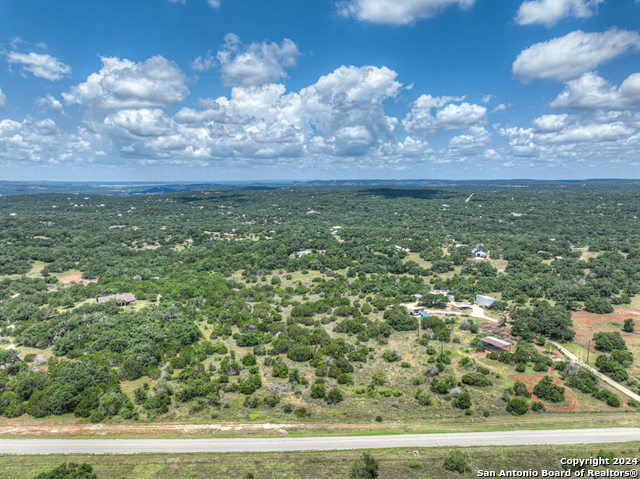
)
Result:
{"points": [[378, 89]]}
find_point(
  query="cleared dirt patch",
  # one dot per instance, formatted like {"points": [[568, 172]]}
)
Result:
{"points": [[587, 324]]}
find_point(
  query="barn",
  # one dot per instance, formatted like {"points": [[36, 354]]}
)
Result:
{"points": [[495, 343]]}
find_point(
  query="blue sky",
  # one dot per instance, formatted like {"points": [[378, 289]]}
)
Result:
{"points": [[206, 90]]}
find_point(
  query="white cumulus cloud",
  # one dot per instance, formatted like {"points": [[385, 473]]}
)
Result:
{"points": [[591, 91], [123, 84], [502, 107], [341, 115], [3, 100], [255, 64], [203, 64], [550, 12], [396, 12], [568, 57], [39, 140], [449, 116], [49, 102], [40, 65]]}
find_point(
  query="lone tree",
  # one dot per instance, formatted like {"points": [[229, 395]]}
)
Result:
{"points": [[629, 326], [457, 461], [365, 468]]}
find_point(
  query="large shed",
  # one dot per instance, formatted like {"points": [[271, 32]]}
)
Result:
{"points": [[484, 301], [496, 343]]}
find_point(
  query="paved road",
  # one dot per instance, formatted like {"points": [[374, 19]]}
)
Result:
{"points": [[134, 446], [606, 379]]}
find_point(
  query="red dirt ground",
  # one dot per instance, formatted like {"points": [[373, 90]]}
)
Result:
{"points": [[586, 324], [531, 381]]}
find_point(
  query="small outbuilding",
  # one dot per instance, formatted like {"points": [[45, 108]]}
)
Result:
{"points": [[479, 253]]}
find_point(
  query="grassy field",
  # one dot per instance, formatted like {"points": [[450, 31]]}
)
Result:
{"points": [[395, 463]]}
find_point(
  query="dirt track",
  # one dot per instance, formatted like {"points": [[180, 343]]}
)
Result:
{"points": [[531, 381]]}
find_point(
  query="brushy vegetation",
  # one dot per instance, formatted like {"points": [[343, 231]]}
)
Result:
{"points": [[231, 320]]}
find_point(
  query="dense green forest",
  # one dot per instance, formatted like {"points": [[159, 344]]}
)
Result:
{"points": [[289, 299]]}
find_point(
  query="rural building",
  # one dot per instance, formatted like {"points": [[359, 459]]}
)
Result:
{"points": [[484, 301], [557, 258], [495, 343], [300, 254], [416, 310], [122, 299], [479, 253]]}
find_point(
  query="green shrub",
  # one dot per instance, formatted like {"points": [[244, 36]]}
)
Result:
{"points": [[608, 397], [520, 389], [378, 418], [629, 326], [345, 379], [537, 406], [249, 360], [415, 464], [69, 471], [457, 461], [391, 356], [405, 364], [463, 401], [540, 367], [545, 389], [29, 358], [334, 396], [424, 398], [251, 402], [442, 386], [386, 393], [517, 406], [301, 412], [365, 468], [287, 408], [272, 400], [607, 342], [521, 367], [318, 391], [379, 378], [300, 354], [598, 305], [477, 380]]}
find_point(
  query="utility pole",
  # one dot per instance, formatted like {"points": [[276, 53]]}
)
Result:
{"points": [[588, 349], [442, 351]]}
